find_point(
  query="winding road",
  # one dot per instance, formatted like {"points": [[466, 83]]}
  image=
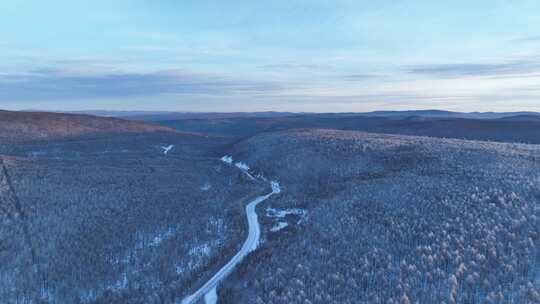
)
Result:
{"points": [[249, 245]]}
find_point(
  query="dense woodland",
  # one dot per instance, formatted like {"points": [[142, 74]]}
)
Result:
{"points": [[394, 219], [114, 219], [147, 215]]}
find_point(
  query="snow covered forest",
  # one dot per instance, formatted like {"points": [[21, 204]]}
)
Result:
{"points": [[112, 219], [393, 219], [151, 215]]}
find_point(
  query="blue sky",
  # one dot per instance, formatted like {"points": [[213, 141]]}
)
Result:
{"points": [[282, 55]]}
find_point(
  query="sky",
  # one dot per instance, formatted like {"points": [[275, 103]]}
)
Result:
{"points": [[279, 55]]}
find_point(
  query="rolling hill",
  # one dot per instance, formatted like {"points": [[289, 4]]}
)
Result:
{"points": [[24, 126]]}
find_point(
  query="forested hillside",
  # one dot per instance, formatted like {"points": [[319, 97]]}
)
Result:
{"points": [[94, 210], [394, 219], [28, 126], [134, 216]]}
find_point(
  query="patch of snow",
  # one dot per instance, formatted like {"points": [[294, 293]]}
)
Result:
{"points": [[271, 212], [275, 187], [242, 166], [211, 297], [279, 226], [157, 239], [227, 159], [166, 149], [205, 187]]}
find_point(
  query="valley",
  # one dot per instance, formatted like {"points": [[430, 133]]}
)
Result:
{"points": [[299, 210]]}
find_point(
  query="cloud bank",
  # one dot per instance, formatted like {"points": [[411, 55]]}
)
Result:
{"points": [[53, 84], [458, 70]]}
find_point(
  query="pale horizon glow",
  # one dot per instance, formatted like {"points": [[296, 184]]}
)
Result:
{"points": [[295, 55]]}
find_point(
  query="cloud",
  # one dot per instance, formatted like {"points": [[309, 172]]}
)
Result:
{"points": [[53, 84], [426, 99], [458, 70], [360, 77], [295, 66], [72, 84], [529, 39]]}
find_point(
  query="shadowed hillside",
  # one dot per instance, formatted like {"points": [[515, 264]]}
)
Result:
{"points": [[518, 129]]}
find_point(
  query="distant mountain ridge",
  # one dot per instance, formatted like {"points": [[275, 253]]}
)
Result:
{"points": [[522, 117], [22, 126], [443, 114], [506, 127], [171, 115]]}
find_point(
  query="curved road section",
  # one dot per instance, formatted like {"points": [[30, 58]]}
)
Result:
{"points": [[249, 245]]}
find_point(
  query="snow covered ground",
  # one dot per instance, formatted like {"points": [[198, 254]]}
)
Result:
{"points": [[240, 165], [166, 149], [271, 212], [227, 159], [279, 226]]}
